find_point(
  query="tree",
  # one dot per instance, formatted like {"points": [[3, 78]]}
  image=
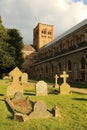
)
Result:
{"points": [[11, 45], [15, 41], [6, 60], [3, 32]]}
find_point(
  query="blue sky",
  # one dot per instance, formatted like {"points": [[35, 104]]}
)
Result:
{"points": [[25, 15], [84, 1]]}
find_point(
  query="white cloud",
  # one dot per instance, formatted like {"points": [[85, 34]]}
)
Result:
{"points": [[25, 14]]}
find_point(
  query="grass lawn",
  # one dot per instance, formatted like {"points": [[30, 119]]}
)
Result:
{"points": [[73, 109]]}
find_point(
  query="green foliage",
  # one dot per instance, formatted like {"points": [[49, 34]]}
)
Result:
{"points": [[3, 32], [6, 60], [15, 41], [73, 109], [0, 20], [11, 45]]}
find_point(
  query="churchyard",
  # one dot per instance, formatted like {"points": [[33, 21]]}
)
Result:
{"points": [[72, 108]]}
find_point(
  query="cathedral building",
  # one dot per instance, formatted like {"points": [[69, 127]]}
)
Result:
{"points": [[67, 52]]}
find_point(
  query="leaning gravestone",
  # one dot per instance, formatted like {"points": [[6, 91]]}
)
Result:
{"points": [[41, 88], [15, 86], [40, 111], [24, 78], [64, 87], [21, 105], [25, 109]]}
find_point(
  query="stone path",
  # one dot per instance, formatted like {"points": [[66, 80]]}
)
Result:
{"points": [[79, 90]]}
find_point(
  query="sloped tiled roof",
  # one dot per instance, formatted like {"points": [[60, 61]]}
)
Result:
{"points": [[28, 47], [84, 22]]}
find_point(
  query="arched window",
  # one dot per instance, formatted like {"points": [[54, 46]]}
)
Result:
{"points": [[82, 37], [46, 69], [77, 39], [42, 31], [52, 68], [49, 33], [69, 65], [83, 63], [60, 67], [41, 69]]}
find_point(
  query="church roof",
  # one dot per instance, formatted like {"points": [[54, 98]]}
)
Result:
{"points": [[84, 22], [28, 47]]}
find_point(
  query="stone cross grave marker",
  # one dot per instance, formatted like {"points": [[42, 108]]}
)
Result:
{"points": [[64, 87], [64, 76], [41, 88], [56, 79], [15, 86]]}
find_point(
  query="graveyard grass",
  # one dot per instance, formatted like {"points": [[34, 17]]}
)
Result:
{"points": [[73, 109]]}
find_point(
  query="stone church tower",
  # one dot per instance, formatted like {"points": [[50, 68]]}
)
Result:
{"points": [[42, 34]]}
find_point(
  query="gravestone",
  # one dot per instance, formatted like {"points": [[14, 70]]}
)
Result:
{"points": [[18, 96], [20, 107], [64, 87], [41, 88], [24, 78], [56, 84], [6, 78], [15, 85], [40, 111], [20, 104]]}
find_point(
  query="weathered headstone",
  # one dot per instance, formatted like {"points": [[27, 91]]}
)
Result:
{"points": [[56, 84], [15, 86], [18, 96], [6, 78], [20, 107], [24, 78], [25, 109], [40, 111], [41, 88], [20, 104], [65, 87]]}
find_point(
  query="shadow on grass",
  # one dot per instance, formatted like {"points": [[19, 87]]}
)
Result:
{"points": [[53, 92], [2, 100], [8, 107], [27, 92], [79, 93], [32, 94], [1, 94], [80, 99], [11, 117]]}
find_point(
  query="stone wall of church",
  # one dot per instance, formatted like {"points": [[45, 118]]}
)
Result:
{"points": [[75, 65], [68, 53]]}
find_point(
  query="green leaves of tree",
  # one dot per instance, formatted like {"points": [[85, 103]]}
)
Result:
{"points": [[11, 45]]}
